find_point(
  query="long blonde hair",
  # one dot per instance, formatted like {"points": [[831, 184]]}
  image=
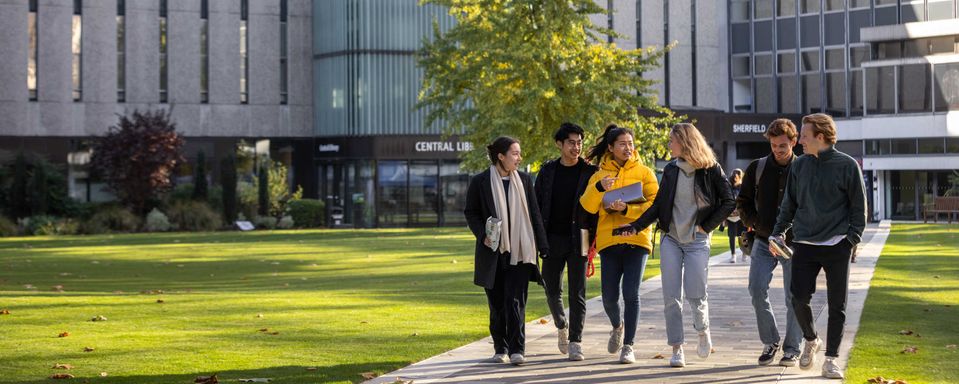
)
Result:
{"points": [[696, 151]]}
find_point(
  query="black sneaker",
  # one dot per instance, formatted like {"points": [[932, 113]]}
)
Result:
{"points": [[790, 359], [769, 352]]}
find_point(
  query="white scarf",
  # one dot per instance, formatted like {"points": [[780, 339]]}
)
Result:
{"points": [[517, 236]]}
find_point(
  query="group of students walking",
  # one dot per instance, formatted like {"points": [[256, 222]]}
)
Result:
{"points": [[815, 203]]}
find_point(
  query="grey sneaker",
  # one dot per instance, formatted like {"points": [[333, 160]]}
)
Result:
{"points": [[830, 369], [808, 358], [499, 358], [679, 359], [789, 359], [563, 340], [626, 355], [575, 352], [615, 339], [517, 359], [769, 353], [705, 344]]}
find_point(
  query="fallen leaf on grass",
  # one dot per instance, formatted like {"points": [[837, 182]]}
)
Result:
{"points": [[935, 277], [160, 301], [61, 366], [99, 318], [264, 330], [951, 346], [275, 333], [61, 376], [659, 356], [910, 349], [4, 312], [259, 315], [206, 379], [63, 334], [543, 321], [311, 368], [57, 288], [415, 334], [88, 349], [905, 332], [256, 380], [369, 375], [883, 380], [103, 374]]}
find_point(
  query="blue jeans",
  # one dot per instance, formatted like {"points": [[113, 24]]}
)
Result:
{"points": [[760, 274], [624, 263], [684, 268]]}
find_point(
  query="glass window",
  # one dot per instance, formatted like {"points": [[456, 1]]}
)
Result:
{"points": [[741, 38], [858, 20], [855, 93], [765, 95], [889, 50], [786, 7], [740, 66], [940, 45], [77, 45], [32, 54], [392, 177], [811, 98], [739, 10], [835, 59], [454, 183], [809, 31], [834, 25], [932, 145], [810, 61], [833, 5], [952, 145], [283, 63], [881, 90], [764, 9], [857, 55], [947, 87], [886, 16], [787, 62], [858, 3], [809, 6], [871, 147], [886, 2], [424, 192], [903, 146], [940, 10], [763, 36], [742, 95], [786, 33], [913, 12], [764, 64], [789, 94], [914, 88], [884, 147], [836, 93]]}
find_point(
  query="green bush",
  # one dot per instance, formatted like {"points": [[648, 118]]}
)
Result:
{"points": [[111, 218], [194, 216], [264, 222], [247, 198], [51, 226], [7, 227], [156, 221], [307, 213], [39, 225], [285, 222]]}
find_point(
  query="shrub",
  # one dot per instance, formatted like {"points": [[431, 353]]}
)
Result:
{"points": [[194, 216], [111, 218], [307, 213], [264, 222], [247, 198], [157, 222], [286, 222], [228, 190], [51, 226], [39, 225], [7, 227]]}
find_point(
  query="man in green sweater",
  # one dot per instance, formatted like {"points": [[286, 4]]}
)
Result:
{"points": [[825, 206]]}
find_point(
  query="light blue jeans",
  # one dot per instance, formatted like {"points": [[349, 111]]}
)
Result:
{"points": [[684, 268], [761, 269]]}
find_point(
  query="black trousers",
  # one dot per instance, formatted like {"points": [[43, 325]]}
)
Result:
{"points": [[507, 307], [733, 230], [806, 262], [565, 254]]}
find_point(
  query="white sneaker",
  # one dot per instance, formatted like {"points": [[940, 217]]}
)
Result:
{"points": [[679, 359], [626, 355], [830, 369], [575, 352], [705, 344], [615, 339], [808, 358], [732, 260], [517, 359], [499, 358], [563, 340]]}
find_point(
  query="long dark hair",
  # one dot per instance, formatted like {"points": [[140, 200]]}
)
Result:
{"points": [[499, 147], [609, 136]]}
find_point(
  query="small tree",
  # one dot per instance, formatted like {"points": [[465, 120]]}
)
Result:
{"points": [[200, 188], [263, 189], [228, 178], [137, 157], [39, 191], [19, 205]]}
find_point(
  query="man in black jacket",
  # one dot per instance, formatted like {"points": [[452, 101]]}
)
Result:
{"points": [[558, 186], [758, 203]]}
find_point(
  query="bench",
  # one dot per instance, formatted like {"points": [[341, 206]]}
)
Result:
{"points": [[942, 204]]}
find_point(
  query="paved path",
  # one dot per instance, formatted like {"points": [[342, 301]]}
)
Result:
{"points": [[733, 323]]}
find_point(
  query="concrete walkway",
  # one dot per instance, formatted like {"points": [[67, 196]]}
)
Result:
{"points": [[733, 324]]}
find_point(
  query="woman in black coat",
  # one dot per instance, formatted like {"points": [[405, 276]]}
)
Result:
{"points": [[504, 193]]}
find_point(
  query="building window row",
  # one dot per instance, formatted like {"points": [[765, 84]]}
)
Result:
{"points": [[887, 11], [911, 146], [911, 88]]}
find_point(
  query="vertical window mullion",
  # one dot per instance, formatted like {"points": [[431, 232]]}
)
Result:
{"points": [[32, 54], [76, 48]]}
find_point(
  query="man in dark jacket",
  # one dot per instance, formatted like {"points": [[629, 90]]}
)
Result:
{"points": [[825, 205], [762, 191], [558, 187]]}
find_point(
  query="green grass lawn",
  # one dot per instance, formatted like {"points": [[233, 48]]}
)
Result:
{"points": [[343, 301], [915, 288]]}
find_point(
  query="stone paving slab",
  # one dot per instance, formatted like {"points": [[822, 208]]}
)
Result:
{"points": [[733, 323]]}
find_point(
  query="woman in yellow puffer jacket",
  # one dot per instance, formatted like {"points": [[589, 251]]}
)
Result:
{"points": [[623, 258]]}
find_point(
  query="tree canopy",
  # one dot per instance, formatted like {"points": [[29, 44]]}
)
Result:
{"points": [[523, 67]]}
